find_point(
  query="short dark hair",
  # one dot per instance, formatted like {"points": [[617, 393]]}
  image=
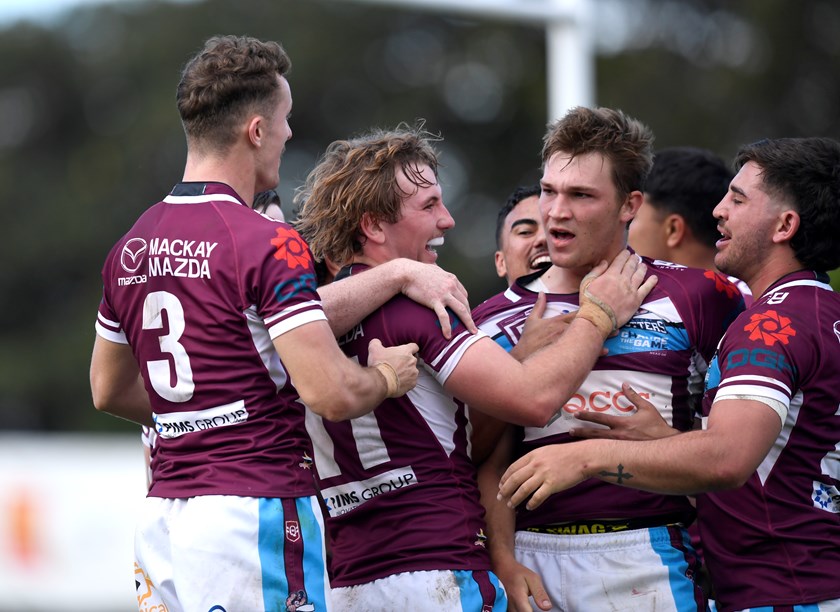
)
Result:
{"points": [[805, 172], [523, 192], [690, 182]]}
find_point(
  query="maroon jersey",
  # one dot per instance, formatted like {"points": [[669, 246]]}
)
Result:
{"points": [[663, 352], [398, 484], [776, 540], [198, 288]]}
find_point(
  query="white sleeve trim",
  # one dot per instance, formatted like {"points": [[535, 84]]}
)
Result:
{"points": [[117, 337], [296, 321], [777, 406]]}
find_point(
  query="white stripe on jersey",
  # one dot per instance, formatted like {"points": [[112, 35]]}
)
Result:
{"points": [[756, 391], [436, 407], [664, 309], [803, 283], [294, 321], [286, 311], [265, 347], [366, 427], [322, 446], [452, 358], [767, 464], [761, 379], [108, 334]]}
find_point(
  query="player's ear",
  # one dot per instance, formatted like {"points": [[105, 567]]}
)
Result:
{"points": [[675, 229], [501, 269], [255, 130], [787, 226], [371, 229], [631, 206]]}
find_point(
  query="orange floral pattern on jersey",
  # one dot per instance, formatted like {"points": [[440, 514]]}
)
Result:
{"points": [[722, 284], [770, 327], [291, 248]]}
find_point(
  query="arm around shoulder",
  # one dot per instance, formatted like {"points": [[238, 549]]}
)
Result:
{"points": [[336, 387], [426, 284]]}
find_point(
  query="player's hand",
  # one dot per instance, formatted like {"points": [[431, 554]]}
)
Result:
{"points": [[611, 295], [538, 474], [539, 331], [644, 424], [401, 359], [521, 583], [435, 288]]}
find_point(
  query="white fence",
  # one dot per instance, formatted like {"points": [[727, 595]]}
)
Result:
{"points": [[67, 510]]}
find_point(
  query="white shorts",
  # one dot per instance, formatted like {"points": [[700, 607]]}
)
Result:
{"points": [[452, 591], [230, 554], [639, 570]]}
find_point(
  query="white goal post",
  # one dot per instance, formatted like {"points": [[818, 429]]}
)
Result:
{"points": [[570, 53]]}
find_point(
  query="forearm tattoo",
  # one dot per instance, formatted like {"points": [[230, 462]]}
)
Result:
{"points": [[620, 476]]}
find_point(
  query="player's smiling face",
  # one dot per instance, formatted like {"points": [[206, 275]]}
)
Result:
{"points": [[583, 216], [424, 219], [523, 241]]}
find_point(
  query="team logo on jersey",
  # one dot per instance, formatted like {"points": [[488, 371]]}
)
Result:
{"points": [[826, 497], [292, 531], [306, 462], [770, 327], [133, 253], [837, 329], [480, 539], [291, 248], [722, 284]]}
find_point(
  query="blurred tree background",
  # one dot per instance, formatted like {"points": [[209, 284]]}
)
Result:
{"points": [[89, 133]]}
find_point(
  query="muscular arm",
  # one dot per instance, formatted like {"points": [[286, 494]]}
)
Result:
{"points": [[424, 283], [331, 384], [115, 382], [528, 393], [739, 435]]}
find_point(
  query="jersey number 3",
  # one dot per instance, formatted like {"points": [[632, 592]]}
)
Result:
{"points": [[180, 387]]}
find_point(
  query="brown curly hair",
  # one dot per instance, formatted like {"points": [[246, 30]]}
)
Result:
{"points": [[229, 78], [357, 177]]}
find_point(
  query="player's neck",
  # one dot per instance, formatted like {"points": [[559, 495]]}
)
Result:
{"points": [[563, 280], [207, 168], [770, 272], [368, 260], [695, 256], [567, 280]]}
